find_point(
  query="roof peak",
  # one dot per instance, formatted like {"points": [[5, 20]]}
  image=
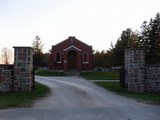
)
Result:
{"points": [[71, 37]]}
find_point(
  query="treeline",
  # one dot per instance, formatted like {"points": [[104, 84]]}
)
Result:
{"points": [[147, 38]]}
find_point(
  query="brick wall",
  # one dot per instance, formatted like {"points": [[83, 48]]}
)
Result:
{"points": [[64, 47]]}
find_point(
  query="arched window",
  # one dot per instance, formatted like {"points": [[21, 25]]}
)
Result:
{"points": [[58, 57], [85, 57]]}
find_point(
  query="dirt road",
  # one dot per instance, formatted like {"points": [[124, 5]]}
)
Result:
{"points": [[73, 98]]}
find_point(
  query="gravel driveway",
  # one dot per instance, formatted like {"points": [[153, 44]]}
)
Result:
{"points": [[73, 98]]}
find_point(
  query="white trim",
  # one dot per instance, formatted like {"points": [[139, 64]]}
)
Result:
{"points": [[72, 46], [85, 62]]}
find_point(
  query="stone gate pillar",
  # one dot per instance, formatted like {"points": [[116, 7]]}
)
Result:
{"points": [[135, 70], [23, 67]]}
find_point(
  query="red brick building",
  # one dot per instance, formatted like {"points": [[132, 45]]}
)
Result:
{"points": [[71, 54]]}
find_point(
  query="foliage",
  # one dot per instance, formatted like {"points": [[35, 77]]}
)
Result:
{"points": [[104, 59], [49, 73], [115, 56], [45, 60], [22, 99], [99, 58], [100, 75], [38, 52], [128, 39], [150, 40], [37, 45], [153, 98], [6, 55]]}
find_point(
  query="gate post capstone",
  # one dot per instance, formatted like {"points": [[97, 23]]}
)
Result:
{"points": [[23, 66], [135, 70]]}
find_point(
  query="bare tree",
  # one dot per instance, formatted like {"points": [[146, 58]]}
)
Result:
{"points": [[6, 55]]}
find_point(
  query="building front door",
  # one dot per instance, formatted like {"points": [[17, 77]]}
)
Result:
{"points": [[72, 60]]}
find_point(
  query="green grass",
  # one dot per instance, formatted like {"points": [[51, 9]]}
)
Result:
{"points": [[100, 75], [151, 98], [49, 73], [22, 99]]}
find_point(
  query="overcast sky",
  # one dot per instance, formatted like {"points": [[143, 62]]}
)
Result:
{"points": [[95, 22]]}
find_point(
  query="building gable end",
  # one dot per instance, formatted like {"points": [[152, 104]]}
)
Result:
{"points": [[72, 46]]}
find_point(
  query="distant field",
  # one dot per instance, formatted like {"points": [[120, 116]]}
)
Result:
{"points": [[100, 75]]}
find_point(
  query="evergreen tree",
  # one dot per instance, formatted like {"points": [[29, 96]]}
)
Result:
{"points": [[150, 40], [37, 45], [99, 59], [38, 52], [128, 39]]}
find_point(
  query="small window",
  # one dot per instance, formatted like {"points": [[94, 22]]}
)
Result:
{"points": [[58, 57], [22, 55], [85, 58]]}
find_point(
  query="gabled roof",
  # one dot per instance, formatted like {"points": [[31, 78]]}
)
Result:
{"points": [[72, 46], [72, 39]]}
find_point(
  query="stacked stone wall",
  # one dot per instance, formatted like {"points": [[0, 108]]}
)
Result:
{"points": [[140, 77], [6, 77], [134, 67], [23, 67], [18, 77], [152, 77]]}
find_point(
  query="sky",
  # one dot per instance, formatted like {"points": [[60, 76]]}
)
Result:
{"points": [[95, 22]]}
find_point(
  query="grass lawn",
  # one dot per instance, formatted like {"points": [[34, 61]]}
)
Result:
{"points": [[151, 98], [100, 75], [22, 99], [49, 73]]}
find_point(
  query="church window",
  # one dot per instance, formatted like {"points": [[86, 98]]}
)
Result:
{"points": [[58, 57], [85, 58]]}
